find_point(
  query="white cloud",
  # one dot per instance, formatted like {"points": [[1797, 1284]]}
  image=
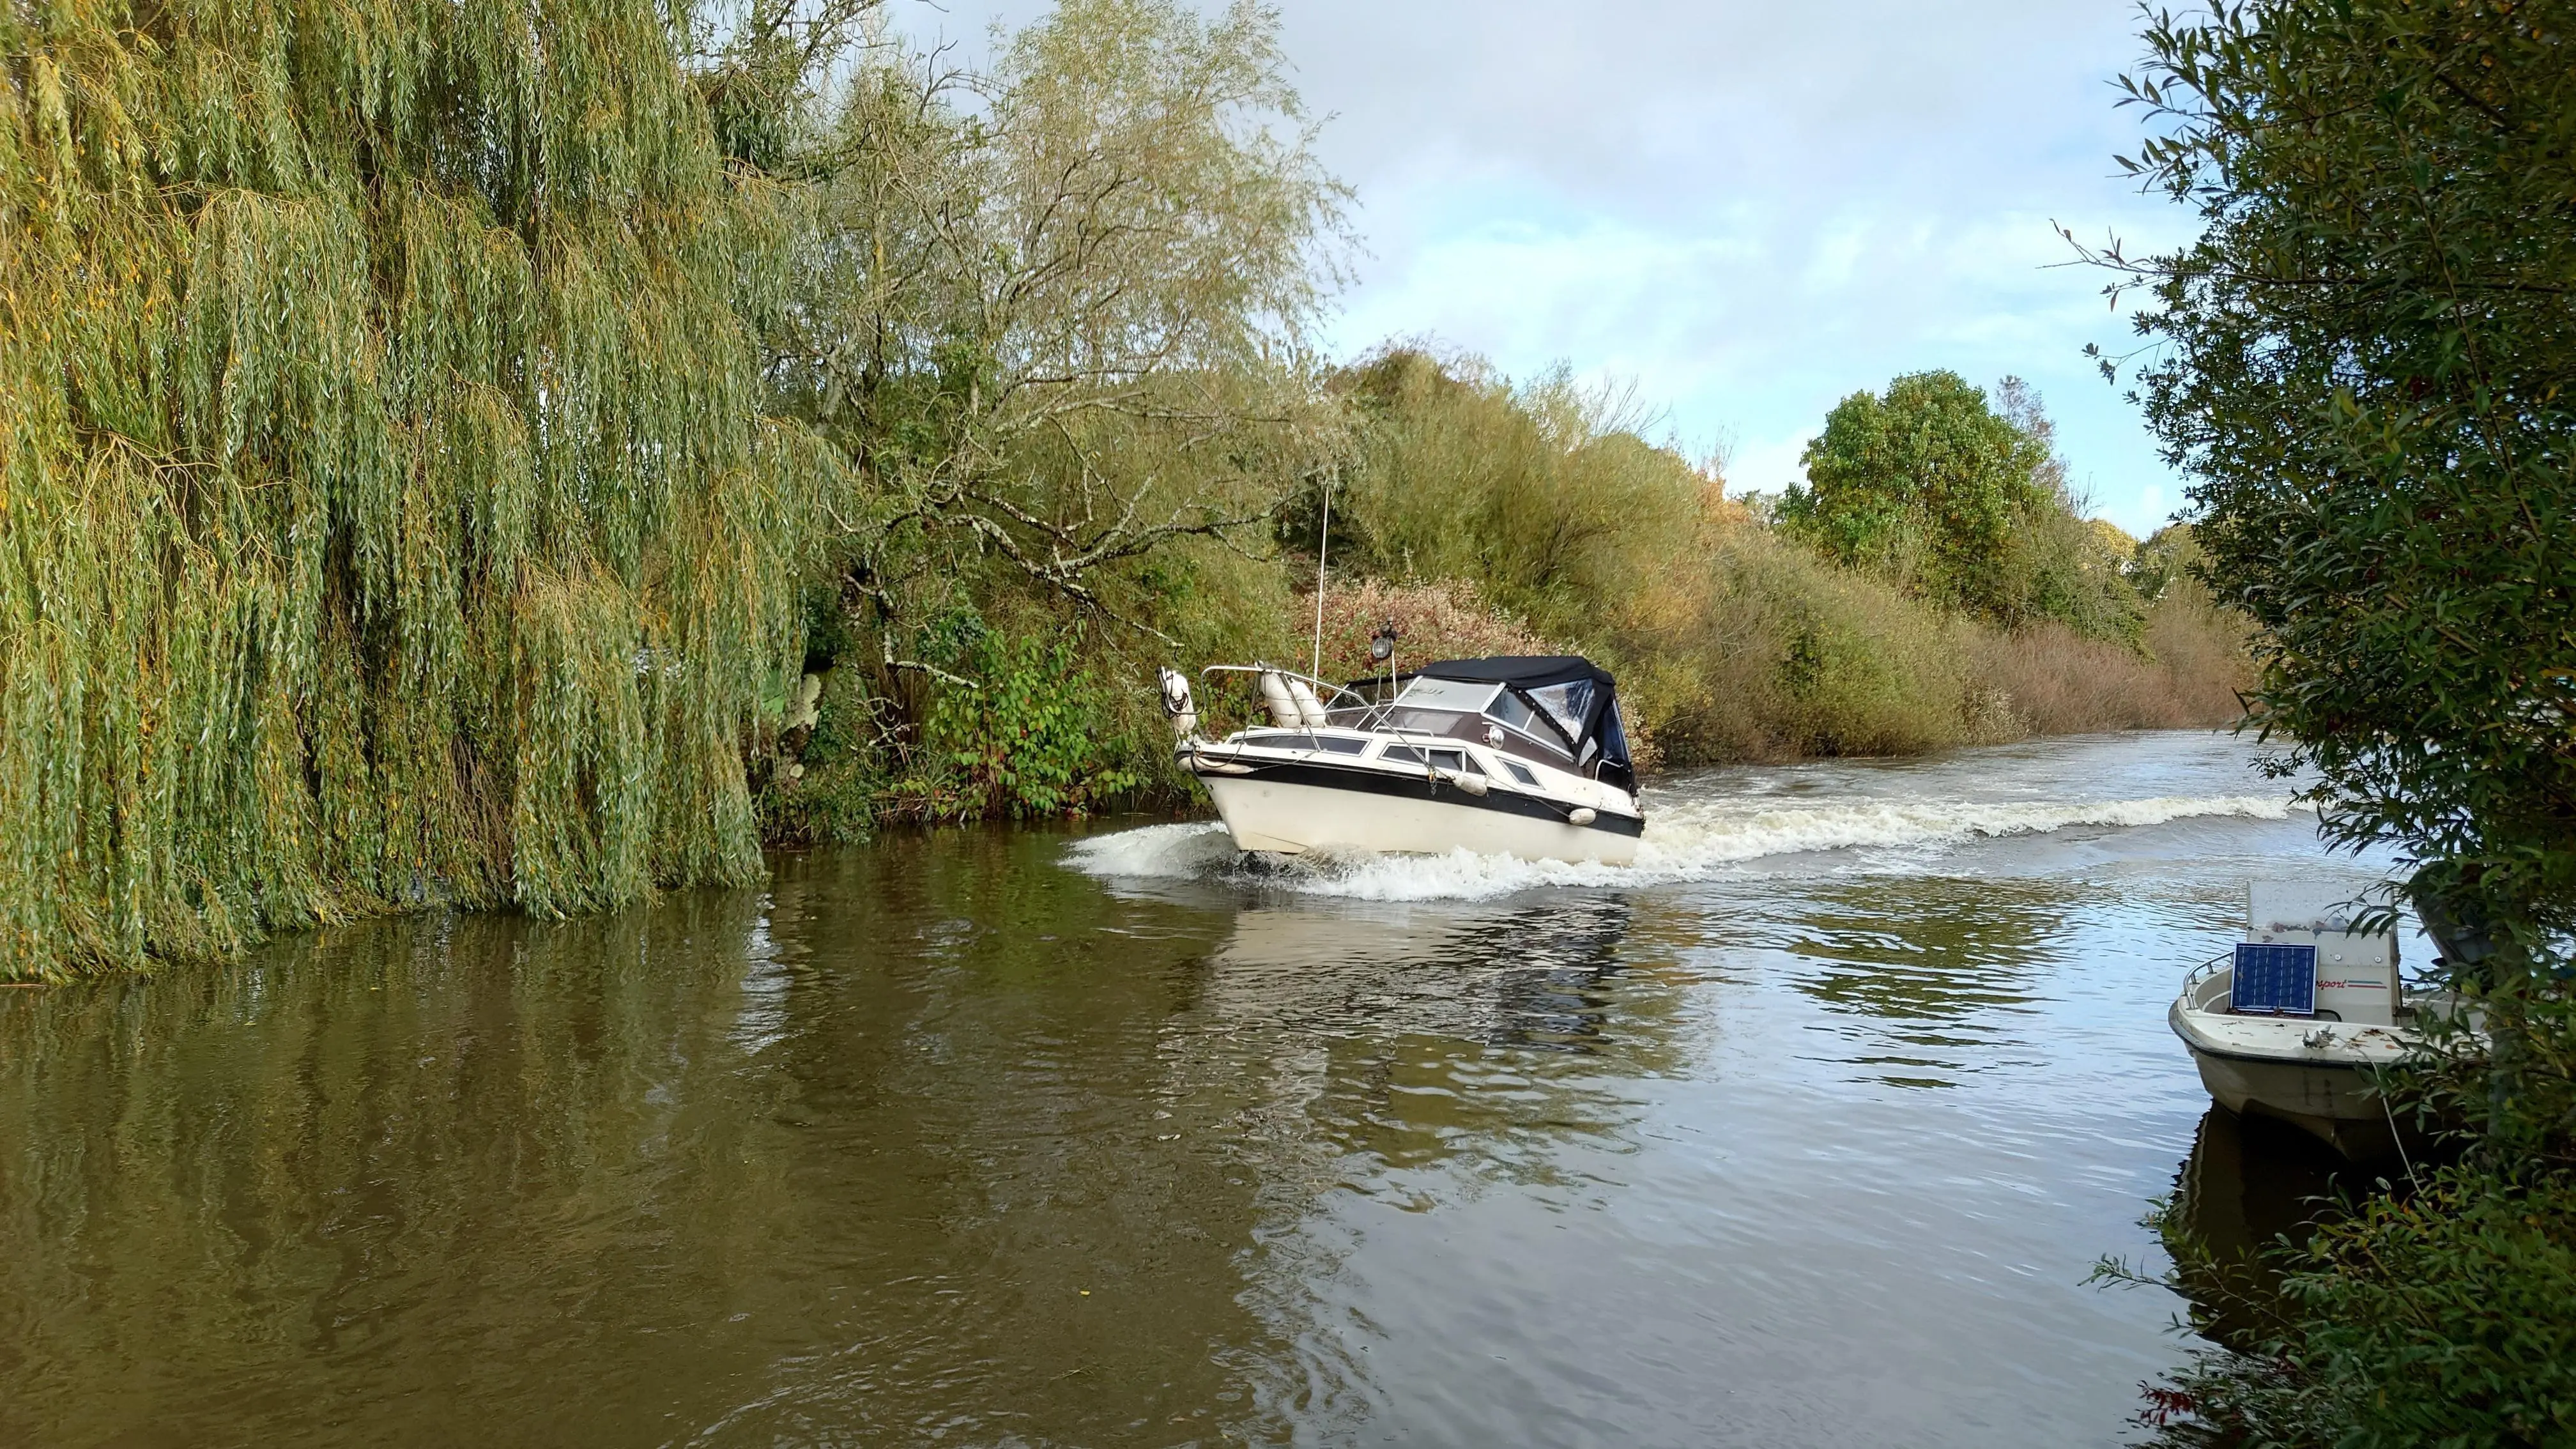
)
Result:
{"points": [[1751, 209]]}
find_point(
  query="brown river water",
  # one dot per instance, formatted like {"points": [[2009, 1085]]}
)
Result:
{"points": [[1805, 1131]]}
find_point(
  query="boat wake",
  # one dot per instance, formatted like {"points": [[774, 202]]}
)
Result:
{"points": [[1683, 842]]}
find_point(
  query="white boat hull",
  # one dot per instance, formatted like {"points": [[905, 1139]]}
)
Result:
{"points": [[2332, 1102], [1291, 818], [2314, 1073]]}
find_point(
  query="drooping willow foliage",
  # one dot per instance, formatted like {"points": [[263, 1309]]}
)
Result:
{"points": [[387, 510]]}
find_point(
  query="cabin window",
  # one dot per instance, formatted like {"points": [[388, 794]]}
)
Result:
{"points": [[1456, 762], [1401, 754], [1521, 773], [1432, 722], [1512, 710]]}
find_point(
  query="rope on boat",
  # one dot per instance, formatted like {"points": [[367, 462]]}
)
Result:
{"points": [[2398, 1138]]}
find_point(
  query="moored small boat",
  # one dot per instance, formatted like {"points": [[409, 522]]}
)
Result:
{"points": [[2296, 1021]]}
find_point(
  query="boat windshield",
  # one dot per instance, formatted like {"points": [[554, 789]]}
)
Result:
{"points": [[1567, 703], [1457, 694], [1513, 710]]}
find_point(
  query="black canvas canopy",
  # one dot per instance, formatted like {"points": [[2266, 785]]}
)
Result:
{"points": [[1570, 677], [1529, 671]]}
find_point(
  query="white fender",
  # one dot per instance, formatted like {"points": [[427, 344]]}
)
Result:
{"points": [[1177, 704], [1310, 710], [1283, 705]]}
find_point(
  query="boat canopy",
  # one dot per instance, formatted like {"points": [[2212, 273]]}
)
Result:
{"points": [[1577, 694]]}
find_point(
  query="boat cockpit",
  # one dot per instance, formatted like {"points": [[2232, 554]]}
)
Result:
{"points": [[1560, 711]]}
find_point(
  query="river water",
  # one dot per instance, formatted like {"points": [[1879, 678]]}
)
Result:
{"points": [[1805, 1131]]}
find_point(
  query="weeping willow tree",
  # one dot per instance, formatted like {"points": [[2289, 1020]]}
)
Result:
{"points": [[387, 510]]}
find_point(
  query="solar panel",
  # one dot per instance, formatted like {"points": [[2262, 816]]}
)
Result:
{"points": [[2275, 980]]}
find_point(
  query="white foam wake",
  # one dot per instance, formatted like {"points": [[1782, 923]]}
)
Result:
{"points": [[1682, 842]]}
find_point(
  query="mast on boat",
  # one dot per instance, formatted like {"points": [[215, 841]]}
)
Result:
{"points": [[1323, 545]]}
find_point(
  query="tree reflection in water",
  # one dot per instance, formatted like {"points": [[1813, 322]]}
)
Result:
{"points": [[438, 1162], [1926, 968], [2249, 1190], [933, 1139]]}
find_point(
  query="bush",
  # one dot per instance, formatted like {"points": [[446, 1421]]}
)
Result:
{"points": [[1028, 740], [2448, 1319], [823, 790], [2054, 681], [1447, 620], [1537, 496], [1836, 662]]}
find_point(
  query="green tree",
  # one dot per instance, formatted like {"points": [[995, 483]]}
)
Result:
{"points": [[387, 513], [1929, 486], [2366, 361], [1057, 314]]}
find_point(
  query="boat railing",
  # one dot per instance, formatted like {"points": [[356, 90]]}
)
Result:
{"points": [[1372, 716], [2201, 973]]}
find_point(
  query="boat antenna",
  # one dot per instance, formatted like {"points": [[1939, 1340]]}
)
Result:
{"points": [[1322, 545]]}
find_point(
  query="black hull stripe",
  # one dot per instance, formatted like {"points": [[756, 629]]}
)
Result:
{"points": [[1415, 787]]}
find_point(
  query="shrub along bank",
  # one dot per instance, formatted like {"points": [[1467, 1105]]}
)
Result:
{"points": [[2364, 359]]}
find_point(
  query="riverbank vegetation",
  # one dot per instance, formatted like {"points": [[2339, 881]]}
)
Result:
{"points": [[2364, 359], [1734, 634], [523, 458]]}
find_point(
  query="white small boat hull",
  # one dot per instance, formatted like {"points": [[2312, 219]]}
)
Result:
{"points": [[2311, 1072], [1291, 818], [2331, 1102]]}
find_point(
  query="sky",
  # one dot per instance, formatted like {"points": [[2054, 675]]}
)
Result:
{"points": [[1746, 210]]}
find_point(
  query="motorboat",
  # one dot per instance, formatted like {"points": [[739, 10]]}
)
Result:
{"points": [[1520, 755], [2297, 1020]]}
